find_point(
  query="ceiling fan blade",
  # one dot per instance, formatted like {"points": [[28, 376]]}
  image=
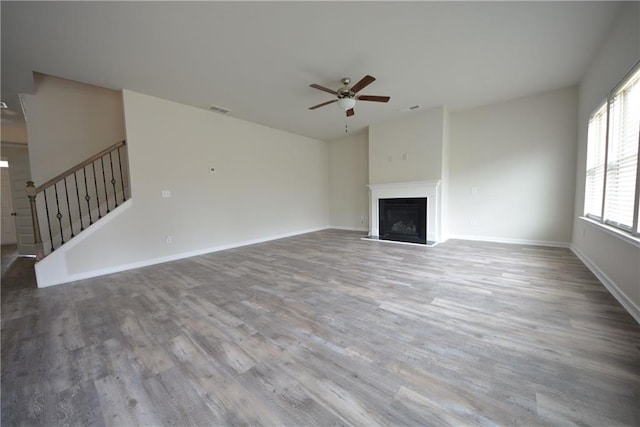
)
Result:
{"points": [[350, 112], [374, 98], [323, 104], [326, 89], [364, 82]]}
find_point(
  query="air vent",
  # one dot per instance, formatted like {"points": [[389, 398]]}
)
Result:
{"points": [[218, 109]]}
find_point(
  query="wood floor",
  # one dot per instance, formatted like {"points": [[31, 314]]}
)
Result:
{"points": [[326, 329], [9, 254]]}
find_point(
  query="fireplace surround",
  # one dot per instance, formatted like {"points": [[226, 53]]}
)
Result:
{"points": [[404, 190]]}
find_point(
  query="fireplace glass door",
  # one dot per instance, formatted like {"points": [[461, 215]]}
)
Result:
{"points": [[403, 220]]}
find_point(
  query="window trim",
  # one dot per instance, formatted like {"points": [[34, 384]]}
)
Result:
{"points": [[631, 233], [613, 231], [635, 228]]}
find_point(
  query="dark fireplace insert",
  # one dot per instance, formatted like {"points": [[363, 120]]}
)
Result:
{"points": [[403, 220]]}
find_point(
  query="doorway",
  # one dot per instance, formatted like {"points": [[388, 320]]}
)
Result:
{"points": [[8, 224]]}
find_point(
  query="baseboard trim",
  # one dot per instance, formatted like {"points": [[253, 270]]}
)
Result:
{"points": [[610, 285], [66, 278], [341, 227], [510, 241]]}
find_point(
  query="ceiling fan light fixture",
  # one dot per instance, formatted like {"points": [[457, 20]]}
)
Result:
{"points": [[346, 103]]}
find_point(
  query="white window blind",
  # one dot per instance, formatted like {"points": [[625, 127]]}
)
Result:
{"points": [[612, 181], [596, 150], [622, 156]]}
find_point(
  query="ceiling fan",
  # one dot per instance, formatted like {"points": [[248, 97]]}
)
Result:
{"points": [[346, 96]]}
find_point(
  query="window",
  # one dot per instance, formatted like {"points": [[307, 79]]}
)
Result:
{"points": [[613, 145], [596, 150]]}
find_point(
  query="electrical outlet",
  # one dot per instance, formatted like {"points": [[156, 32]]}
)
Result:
{"points": [[168, 240], [363, 219], [166, 194]]}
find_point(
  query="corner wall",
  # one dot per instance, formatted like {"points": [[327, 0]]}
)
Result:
{"points": [[266, 184], [348, 179], [512, 170], [13, 134], [614, 260], [68, 122], [445, 187]]}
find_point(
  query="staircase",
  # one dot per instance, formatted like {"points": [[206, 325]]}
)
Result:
{"points": [[72, 201]]}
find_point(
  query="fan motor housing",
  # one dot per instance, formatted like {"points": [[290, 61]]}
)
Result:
{"points": [[345, 93]]}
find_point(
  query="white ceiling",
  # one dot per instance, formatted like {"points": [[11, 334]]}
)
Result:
{"points": [[258, 58]]}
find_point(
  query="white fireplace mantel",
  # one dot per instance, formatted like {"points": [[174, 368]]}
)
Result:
{"points": [[428, 189]]}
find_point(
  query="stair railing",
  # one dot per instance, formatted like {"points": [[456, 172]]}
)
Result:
{"points": [[66, 215]]}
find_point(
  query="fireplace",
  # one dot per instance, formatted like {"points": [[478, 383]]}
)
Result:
{"points": [[428, 190], [403, 219]]}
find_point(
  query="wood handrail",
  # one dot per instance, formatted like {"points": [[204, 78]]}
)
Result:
{"points": [[79, 166]]}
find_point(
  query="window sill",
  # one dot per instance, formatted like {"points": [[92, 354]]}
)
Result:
{"points": [[632, 240]]}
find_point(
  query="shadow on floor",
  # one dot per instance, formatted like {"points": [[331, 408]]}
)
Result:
{"points": [[9, 255], [18, 272]]}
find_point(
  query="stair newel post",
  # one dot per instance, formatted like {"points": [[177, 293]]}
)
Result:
{"points": [[37, 239]]}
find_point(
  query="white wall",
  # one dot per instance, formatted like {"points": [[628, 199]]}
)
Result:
{"points": [[348, 178], [68, 122], [13, 134], [266, 184], [418, 135], [446, 175], [512, 169], [615, 261]]}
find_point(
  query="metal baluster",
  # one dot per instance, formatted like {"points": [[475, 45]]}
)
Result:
{"points": [[75, 178], [104, 182], [66, 193], [124, 196], [46, 205], [95, 181], [86, 194], [113, 180], [59, 215]]}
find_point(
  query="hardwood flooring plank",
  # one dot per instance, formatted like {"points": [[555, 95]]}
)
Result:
{"points": [[236, 404], [184, 399], [325, 329], [122, 396], [78, 406], [151, 358]]}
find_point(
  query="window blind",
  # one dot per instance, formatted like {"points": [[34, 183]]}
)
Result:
{"points": [[596, 150], [622, 156]]}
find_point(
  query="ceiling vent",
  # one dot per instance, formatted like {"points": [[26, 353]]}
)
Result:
{"points": [[218, 109]]}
